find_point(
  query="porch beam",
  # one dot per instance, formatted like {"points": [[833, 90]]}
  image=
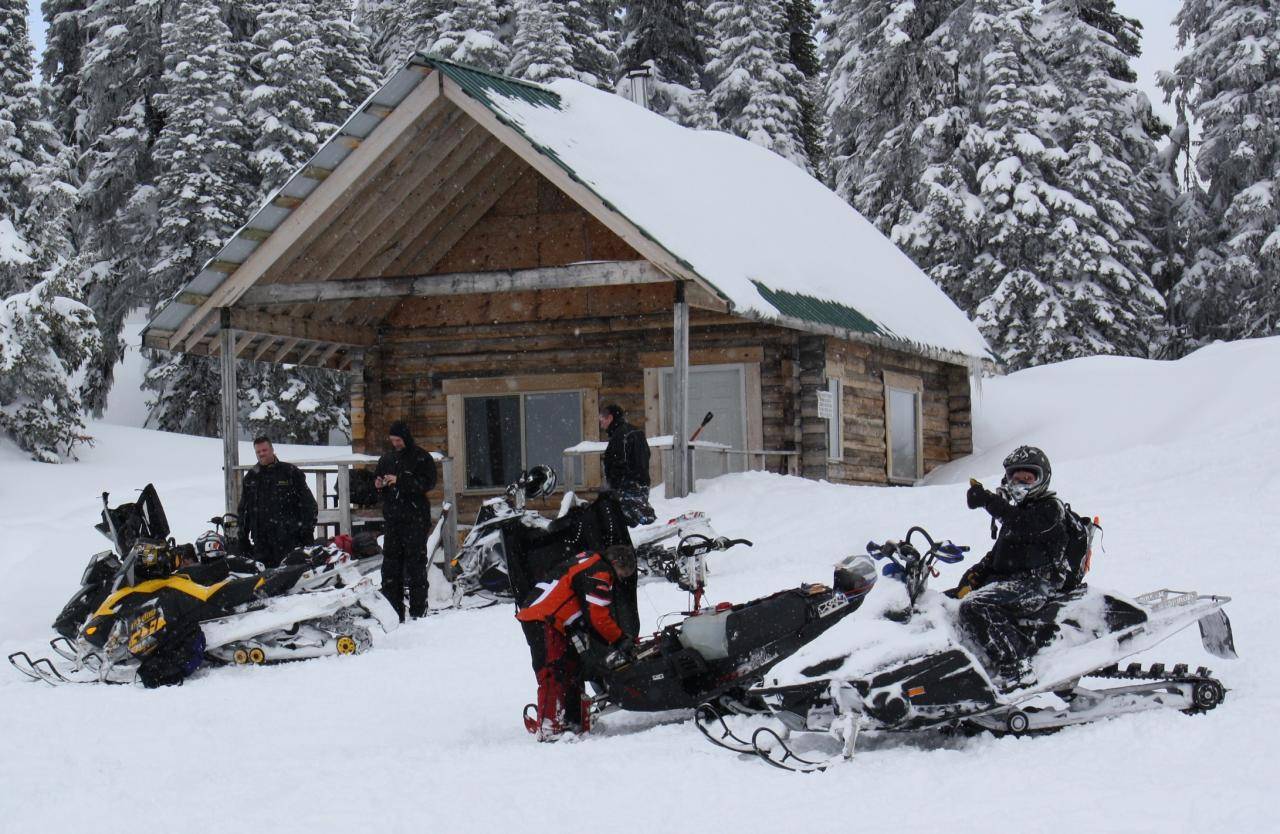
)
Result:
{"points": [[601, 274]]}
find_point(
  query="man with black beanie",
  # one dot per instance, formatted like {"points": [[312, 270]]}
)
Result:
{"points": [[403, 478]]}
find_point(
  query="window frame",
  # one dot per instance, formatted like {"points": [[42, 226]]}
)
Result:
{"points": [[910, 385], [458, 391], [835, 426]]}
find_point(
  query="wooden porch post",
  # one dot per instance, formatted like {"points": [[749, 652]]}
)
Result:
{"points": [[230, 438], [680, 397]]}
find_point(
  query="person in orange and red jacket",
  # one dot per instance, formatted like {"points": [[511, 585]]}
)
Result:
{"points": [[575, 610]]}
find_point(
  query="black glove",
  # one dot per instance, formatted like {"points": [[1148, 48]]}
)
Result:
{"points": [[977, 496], [620, 655]]}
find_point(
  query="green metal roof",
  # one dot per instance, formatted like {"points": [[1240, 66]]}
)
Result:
{"points": [[480, 84], [818, 311]]}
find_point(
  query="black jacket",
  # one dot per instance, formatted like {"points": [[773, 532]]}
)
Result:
{"points": [[626, 459], [277, 510], [1033, 537], [415, 472]]}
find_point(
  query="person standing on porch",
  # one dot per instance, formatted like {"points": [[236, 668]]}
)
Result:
{"points": [[403, 478], [626, 465]]}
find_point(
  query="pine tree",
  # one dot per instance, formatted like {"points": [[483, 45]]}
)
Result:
{"points": [[470, 34], [115, 126], [664, 35], [33, 165], [203, 189], [886, 75], [349, 75], [46, 336], [988, 205], [46, 340], [802, 54], [541, 51], [1103, 250], [754, 92], [398, 28], [1229, 80], [593, 41]]}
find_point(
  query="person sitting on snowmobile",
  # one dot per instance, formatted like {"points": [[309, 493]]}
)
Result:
{"points": [[1025, 568], [626, 465], [579, 628]]}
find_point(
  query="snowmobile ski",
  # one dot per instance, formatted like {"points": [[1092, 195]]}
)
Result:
{"points": [[710, 722], [771, 747]]}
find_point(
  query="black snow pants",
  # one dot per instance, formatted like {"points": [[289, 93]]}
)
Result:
{"points": [[989, 615], [404, 562]]}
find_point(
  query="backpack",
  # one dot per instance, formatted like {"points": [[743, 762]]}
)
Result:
{"points": [[1079, 550]]}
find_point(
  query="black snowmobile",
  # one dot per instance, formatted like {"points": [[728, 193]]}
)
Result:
{"points": [[916, 670], [151, 593], [504, 528], [715, 655]]}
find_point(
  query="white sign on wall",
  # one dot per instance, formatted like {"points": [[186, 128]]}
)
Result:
{"points": [[826, 405]]}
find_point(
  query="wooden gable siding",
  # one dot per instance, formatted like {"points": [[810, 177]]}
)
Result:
{"points": [[533, 224], [945, 408]]}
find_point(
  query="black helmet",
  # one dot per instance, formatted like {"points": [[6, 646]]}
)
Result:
{"points": [[539, 482], [151, 559], [1026, 459]]}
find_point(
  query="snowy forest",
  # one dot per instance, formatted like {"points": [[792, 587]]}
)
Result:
{"points": [[1002, 144]]}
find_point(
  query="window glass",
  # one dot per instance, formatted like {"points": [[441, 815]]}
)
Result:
{"points": [[902, 429], [553, 423], [492, 426]]}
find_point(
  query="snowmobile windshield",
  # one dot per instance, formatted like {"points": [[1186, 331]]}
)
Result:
{"points": [[101, 567]]}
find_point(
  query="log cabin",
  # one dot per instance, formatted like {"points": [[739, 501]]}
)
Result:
{"points": [[494, 260]]}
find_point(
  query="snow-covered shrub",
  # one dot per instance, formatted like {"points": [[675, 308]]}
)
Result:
{"points": [[46, 340]]}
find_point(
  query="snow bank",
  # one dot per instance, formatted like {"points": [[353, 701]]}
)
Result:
{"points": [[423, 733]]}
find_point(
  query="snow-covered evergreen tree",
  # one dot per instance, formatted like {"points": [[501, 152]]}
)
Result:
{"points": [[293, 405], [349, 75], [754, 90], [46, 340], [593, 41], [34, 166], [203, 191], [398, 28], [541, 50], [802, 53], [665, 35], [989, 208], [1229, 79], [1110, 168], [115, 125], [470, 34], [886, 74]]}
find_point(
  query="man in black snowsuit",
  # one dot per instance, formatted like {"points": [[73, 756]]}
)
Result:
{"points": [[1025, 569], [403, 478], [277, 511], [626, 465]]}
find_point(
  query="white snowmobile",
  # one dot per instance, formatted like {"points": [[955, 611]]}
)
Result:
{"points": [[480, 574], [914, 669], [157, 593]]}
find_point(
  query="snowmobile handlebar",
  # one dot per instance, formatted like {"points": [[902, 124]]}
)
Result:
{"points": [[696, 544], [944, 551]]}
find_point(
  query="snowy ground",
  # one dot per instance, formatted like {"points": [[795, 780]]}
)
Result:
{"points": [[1181, 460]]}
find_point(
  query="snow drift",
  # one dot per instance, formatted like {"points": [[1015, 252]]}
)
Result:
{"points": [[1179, 459]]}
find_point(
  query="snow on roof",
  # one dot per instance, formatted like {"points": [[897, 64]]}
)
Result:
{"points": [[772, 239]]}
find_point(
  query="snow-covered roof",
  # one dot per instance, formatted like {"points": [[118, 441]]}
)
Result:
{"points": [[768, 237], [753, 229]]}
